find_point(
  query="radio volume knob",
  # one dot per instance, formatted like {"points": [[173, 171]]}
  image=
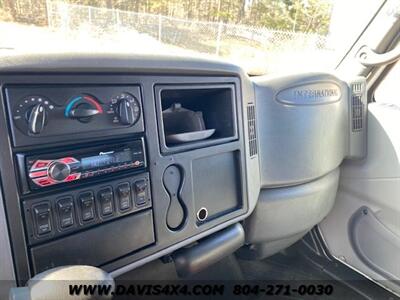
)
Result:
{"points": [[59, 171]]}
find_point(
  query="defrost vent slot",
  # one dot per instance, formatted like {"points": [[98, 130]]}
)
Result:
{"points": [[251, 119], [357, 87]]}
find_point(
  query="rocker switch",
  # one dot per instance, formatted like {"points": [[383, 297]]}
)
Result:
{"points": [[65, 209], [87, 206], [42, 215], [140, 192], [124, 196], [106, 202]]}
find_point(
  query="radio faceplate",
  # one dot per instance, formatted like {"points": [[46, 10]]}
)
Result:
{"points": [[45, 170]]}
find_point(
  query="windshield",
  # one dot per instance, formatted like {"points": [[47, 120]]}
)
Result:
{"points": [[263, 36]]}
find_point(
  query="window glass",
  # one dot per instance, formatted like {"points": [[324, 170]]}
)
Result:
{"points": [[263, 36], [388, 90]]}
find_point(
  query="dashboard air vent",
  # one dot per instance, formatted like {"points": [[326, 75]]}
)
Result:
{"points": [[357, 103], [357, 87], [251, 119], [357, 107]]}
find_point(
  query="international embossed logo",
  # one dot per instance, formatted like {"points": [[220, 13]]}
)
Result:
{"points": [[310, 94], [315, 94]]}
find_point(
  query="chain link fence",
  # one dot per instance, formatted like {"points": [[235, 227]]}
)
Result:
{"points": [[225, 40]]}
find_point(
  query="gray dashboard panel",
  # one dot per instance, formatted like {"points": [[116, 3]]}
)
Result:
{"points": [[123, 69], [289, 210], [305, 130], [297, 142], [306, 136], [117, 63]]}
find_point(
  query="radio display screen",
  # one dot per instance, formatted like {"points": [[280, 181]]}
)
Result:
{"points": [[107, 159]]}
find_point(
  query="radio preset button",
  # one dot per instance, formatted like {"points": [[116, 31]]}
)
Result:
{"points": [[40, 164], [36, 174], [72, 177], [124, 196], [68, 160], [105, 197], [65, 208], [43, 181], [86, 201]]}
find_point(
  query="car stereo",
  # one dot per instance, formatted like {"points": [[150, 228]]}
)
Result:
{"points": [[44, 170]]}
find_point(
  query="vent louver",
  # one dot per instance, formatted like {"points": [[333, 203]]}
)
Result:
{"points": [[357, 87], [251, 119], [357, 112], [357, 107]]}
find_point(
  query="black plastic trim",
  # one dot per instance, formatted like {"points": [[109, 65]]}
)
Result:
{"points": [[208, 251]]}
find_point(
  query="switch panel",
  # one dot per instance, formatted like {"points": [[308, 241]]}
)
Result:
{"points": [[86, 201], [66, 212], [42, 219], [124, 197], [106, 202]]}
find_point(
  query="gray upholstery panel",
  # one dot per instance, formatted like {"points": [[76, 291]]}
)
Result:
{"points": [[284, 212]]}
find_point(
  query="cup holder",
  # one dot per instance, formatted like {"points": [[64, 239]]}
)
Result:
{"points": [[202, 214]]}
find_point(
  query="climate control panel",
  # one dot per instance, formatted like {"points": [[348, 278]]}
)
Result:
{"points": [[55, 112]]}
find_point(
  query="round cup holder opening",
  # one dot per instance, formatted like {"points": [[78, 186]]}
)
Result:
{"points": [[202, 214]]}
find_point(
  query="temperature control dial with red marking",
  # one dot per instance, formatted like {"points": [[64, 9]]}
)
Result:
{"points": [[83, 108]]}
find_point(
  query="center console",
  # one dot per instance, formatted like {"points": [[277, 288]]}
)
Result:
{"points": [[116, 170], [69, 191]]}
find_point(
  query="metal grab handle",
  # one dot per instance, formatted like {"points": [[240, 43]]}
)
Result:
{"points": [[368, 57]]}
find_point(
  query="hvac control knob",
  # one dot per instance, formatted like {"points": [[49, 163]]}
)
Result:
{"points": [[128, 111], [36, 118], [59, 171]]}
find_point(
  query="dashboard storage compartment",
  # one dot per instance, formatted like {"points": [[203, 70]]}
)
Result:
{"points": [[195, 116], [216, 191], [97, 246]]}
